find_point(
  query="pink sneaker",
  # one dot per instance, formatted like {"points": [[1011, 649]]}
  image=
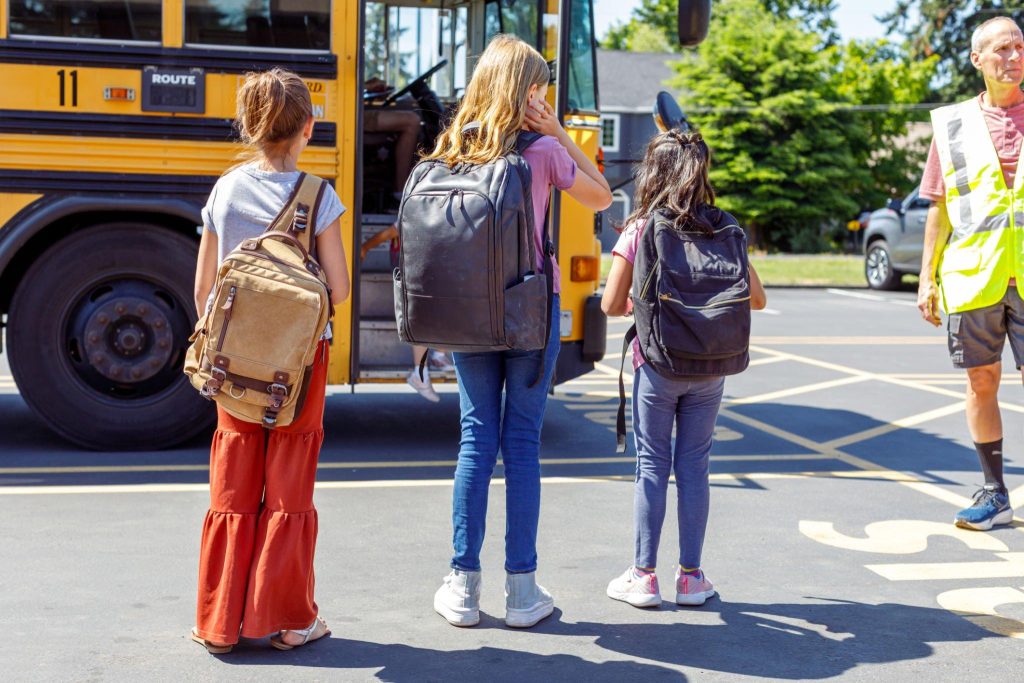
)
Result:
{"points": [[692, 589], [639, 590]]}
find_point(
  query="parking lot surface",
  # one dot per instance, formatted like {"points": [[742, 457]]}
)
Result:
{"points": [[841, 456]]}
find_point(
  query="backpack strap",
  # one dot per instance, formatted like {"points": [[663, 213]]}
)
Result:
{"points": [[549, 271], [620, 419], [525, 139], [523, 142], [299, 212]]}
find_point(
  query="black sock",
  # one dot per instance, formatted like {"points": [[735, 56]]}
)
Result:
{"points": [[991, 456]]}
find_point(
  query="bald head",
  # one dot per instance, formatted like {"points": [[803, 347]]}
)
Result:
{"points": [[989, 28]]}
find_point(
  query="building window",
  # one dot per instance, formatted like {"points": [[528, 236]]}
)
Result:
{"points": [[622, 206], [610, 132]]}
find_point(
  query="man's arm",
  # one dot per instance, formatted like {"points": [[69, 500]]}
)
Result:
{"points": [[936, 235]]}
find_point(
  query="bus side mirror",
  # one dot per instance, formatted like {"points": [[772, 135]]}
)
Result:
{"points": [[694, 16], [667, 114]]}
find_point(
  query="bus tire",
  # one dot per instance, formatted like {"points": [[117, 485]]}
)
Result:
{"points": [[97, 331]]}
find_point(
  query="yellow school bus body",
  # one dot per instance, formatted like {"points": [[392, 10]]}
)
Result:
{"points": [[47, 92]]}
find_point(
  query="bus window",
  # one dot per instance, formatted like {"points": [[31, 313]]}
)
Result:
{"points": [[582, 81], [304, 25], [401, 43], [96, 20], [519, 17]]}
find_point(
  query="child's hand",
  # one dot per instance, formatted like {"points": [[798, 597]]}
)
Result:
{"points": [[540, 118]]}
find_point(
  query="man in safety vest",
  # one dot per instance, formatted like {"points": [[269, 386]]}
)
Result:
{"points": [[974, 246]]}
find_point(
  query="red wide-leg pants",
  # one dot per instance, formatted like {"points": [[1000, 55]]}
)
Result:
{"points": [[259, 536]]}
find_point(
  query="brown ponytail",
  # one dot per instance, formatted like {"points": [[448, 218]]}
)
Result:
{"points": [[272, 107]]}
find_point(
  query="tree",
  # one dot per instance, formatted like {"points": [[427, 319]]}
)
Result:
{"points": [[792, 148], [943, 28], [653, 26]]}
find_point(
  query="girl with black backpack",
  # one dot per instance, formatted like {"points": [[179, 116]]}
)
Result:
{"points": [[693, 264], [502, 399]]}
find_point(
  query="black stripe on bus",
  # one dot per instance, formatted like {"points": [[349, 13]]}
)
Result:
{"points": [[120, 56], [111, 184], [134, 126]]}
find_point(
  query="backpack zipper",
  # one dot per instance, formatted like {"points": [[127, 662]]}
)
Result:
{"points": [[228, 305], [717, 304], [647, 282]]}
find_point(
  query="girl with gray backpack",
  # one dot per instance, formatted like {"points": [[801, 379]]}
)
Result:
{"points": [[473, 218], [692, 291]]}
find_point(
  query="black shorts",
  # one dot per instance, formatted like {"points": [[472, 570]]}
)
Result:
{"points": [[977, 337]]}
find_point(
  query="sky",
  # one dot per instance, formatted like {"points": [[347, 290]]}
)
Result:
{"points": [[854, 17]]}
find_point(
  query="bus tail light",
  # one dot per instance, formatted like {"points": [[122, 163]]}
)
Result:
{"points": [[585, 268], [600, 160]]}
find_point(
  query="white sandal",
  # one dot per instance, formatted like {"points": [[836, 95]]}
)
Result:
{"points": [[278, 640]]}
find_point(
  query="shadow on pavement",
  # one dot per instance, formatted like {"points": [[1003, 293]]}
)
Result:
{"points": [[774, 641], [786, 641]]}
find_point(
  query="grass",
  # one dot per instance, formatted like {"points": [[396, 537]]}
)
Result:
{"points": [[811, 270]]}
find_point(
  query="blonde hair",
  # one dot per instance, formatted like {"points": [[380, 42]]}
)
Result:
{"points": [[496, 97], [271, 108]]}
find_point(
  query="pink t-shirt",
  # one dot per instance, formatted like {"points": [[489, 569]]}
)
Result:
{"points": [[1005, 127], [550, 166], [626, 247]]}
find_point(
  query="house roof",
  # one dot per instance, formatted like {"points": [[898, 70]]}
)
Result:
{"points": [[629, 81]]}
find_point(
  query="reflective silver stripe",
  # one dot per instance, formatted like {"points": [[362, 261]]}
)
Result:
{"points": [[956, 155], [987, 224]]}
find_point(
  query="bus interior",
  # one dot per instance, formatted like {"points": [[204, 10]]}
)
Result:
{"points": [[417, 58]]}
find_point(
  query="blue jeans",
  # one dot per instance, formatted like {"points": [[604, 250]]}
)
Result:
{"points": [[658, 404], [483, 379]]}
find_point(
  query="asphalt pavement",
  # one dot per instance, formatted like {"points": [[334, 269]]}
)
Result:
{"points": [[840, 458]]}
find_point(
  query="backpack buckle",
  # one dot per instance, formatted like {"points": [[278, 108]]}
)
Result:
{"points": [[212, 386], [301, 219], [276, 389]]}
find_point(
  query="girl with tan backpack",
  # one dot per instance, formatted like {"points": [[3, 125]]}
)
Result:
{"points": [[259, 536]]}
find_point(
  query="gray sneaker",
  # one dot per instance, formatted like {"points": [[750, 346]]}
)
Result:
{"points": [[458, 598], [526, 602]]}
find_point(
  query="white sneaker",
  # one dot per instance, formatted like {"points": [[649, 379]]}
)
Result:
{"points": [[422, 386], [458, 598], [526, 602], [639, 590]]}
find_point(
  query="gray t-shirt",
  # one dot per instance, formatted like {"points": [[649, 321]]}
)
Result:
{"points": [[247, 199]]}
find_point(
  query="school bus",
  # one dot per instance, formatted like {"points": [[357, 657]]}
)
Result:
{"points": [[115, 122]]}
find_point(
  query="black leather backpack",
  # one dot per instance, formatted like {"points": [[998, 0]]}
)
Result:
{"points": [[691, 302], [466, 277]]}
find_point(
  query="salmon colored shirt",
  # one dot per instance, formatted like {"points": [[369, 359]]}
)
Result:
{"points": [[1005, 126]]}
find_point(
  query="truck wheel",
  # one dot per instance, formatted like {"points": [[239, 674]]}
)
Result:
{"points": [[878, 267], [97, 334]]}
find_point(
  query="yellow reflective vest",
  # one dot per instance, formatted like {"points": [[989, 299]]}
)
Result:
{"points": [[986, 245]]}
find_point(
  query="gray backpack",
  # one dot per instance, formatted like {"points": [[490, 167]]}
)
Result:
{"points": [[466, 277]]}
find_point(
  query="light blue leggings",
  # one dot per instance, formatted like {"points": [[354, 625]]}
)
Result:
{"points": [[658, 404]]}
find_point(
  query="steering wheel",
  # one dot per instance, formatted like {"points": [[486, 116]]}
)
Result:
{"points": [[419, 80]]}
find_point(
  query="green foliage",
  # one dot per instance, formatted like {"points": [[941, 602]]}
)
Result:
{"points": [[653, 25], [943, 29], [792, 151]]}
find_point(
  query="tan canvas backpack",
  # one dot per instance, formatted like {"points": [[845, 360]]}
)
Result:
{"points": [[254, 349]]}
